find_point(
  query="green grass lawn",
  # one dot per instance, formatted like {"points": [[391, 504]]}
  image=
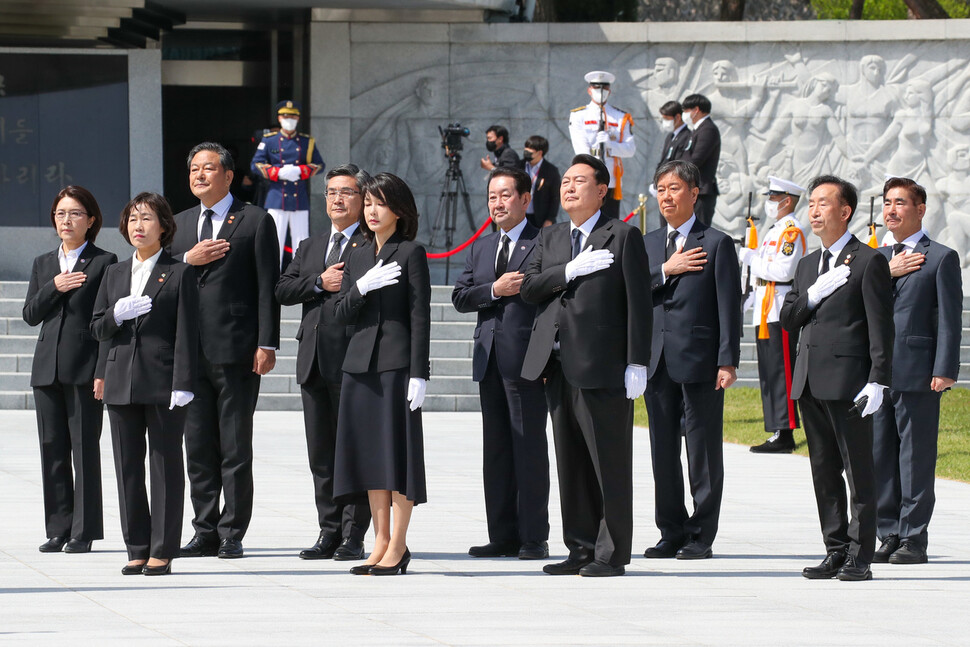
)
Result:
{"points": [[743, 425]]}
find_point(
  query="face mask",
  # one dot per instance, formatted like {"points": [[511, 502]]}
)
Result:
{"points": [[688, 119], [491, 146], [667, 125], [527, 156], [599, 95], [289, 124], [771, 209]]}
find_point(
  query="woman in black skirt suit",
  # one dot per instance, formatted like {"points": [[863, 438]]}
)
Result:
{"points": [[148, 313], [385, 302], [66, 372]]}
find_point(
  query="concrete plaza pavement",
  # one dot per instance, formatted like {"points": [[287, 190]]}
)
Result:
{"points": [[751, 593]]}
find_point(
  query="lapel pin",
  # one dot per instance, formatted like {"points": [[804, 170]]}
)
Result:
{"points": [[161, 280], [521, 246], [353, 244], [847, 259], [84, 260]]}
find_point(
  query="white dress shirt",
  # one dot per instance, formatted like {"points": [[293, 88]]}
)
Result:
{"points": [[585, 230], [680, 241], [910, 242], [69, 260], [346, 233], [835, 249], [220, 209], [140, 271], [533, 173], [513, 235]]}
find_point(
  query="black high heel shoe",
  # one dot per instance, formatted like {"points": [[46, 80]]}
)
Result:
{"points": [[360, 569], [392, 570], [165, 569], [129, 569]]}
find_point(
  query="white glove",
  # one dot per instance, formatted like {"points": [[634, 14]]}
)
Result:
{"points": [[635, 381], [130, 307], [180, 399], [379, 276], [290, 173], [602, 137], [749, 302], [874, 392], [744, 255], [587, 262], [652, 190], [827, 283], [416, 388]]}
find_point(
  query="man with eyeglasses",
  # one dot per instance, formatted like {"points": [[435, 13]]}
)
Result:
{"points": [[313, 279]]}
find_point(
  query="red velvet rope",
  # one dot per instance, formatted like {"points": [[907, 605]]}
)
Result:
{"points": [[627, 219], [465, 244]]}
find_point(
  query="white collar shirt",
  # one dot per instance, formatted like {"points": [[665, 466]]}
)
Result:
{"points": [[347, 232], [835, 249], [910, 242], [219, 209], [514, 233], [69, 260], [585, 229], [141, 271]]}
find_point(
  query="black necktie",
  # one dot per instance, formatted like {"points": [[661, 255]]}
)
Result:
{"points": [[206, 225], [333, 256], [671, 244], [502, 263], [826, 257], [577, 242], [898, 249]]}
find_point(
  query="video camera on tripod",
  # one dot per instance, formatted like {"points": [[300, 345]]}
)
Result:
{"points": [[451, 139]]}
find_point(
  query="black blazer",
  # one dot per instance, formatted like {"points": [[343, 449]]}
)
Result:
{"points": [[927, 312], [674, 146], [389, 328], [238, 307], [504, 324], [157, 353], [704, 150], [602, 319], [847, 341], [696, 315], [66, 352], [545, 197], [321, 340]]}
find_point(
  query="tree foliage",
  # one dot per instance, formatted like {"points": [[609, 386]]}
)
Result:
{"points": [[883, 9]]}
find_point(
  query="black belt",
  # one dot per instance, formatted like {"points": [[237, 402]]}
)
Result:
{"points": [[762, 283]]}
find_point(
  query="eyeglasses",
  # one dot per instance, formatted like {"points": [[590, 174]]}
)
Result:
{"points": [[61, 216], [343, 193]]}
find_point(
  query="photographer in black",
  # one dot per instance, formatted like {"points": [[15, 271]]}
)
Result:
{"points": [[497, 144]]}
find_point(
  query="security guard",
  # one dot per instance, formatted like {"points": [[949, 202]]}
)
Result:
{"points": [[605, 132], [288, 159], [773, 266]]}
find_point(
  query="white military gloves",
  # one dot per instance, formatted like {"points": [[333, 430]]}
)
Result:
{"points": [[744, 255], [130, 307], [874, 393], [587, 262], [290, 173], [416, 390], [635, 381], [827, 283], [379, 276], [180, 399], [602, 137]]}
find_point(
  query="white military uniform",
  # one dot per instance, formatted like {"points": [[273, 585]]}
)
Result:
{"points": [[584, 124], [777, 256]]}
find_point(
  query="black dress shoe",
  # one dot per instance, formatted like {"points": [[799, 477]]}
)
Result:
{"points": [[230, 549], [199, 547], [695, 550], [665, 549], [829, 567], [854, 571], [53, 545], [77, 546], [909, 553], [888, 547], [572, 566], [325, 547], [349, 549], [164, 569], [534, 550], [132, 569], [599, 569], [496, 549], [401, 566], [781, 442]]}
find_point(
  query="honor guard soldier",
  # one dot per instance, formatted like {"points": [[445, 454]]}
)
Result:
{"points": [[772, 265], [605, 132], [288, 159]]}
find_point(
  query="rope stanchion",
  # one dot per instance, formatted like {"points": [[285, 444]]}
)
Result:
{"points": [[465, 244]]}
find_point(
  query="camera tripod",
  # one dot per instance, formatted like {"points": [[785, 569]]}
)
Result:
{"points": [[445, 218]]}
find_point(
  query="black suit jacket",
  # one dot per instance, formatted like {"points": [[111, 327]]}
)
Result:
{"points": [[506, 156], [389, 328], [238, 307], [696, 315], [545, 196], [156, 353], [321, 340], [674, 146], [602, 319], [704, 150], [504, 324], [927, 312], [66, 352], [847, 341]]}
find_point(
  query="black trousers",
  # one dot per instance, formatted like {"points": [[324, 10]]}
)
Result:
{"points": [[841, 442], [776, 360], [515, 457], [702, 409], [149, 529], [704, 207], [593, 433], [69, 423], [320, 402], [219, 449], [611, 206], [905, 431]]}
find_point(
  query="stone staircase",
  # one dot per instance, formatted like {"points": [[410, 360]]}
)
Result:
{"points": [[450, 389]]}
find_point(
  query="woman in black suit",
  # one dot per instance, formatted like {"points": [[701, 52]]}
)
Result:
{"points": [[385, 302], [148, 311], [66, 372]]}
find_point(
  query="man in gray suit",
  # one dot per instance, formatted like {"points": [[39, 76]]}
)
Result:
{"points": [[927, 304]]}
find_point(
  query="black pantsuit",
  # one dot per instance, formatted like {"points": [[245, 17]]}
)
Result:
{"points": [[776, 361]]}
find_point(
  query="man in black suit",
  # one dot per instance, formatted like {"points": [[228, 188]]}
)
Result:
{"points": [[841, 306], [544, 206], [927, 305], [704, 150], [313, 279], [515, 454], [497, 143], [696, 350], [591, 341], [234, 248]]}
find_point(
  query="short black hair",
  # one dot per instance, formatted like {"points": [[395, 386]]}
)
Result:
{"points": [[686, 171], [350, 170], [600, 172], [159, 206], [848, 194], [671, 109], [500, 131], [692, 101], [225, 157], [523, 183], [84, 197], [537, 143], [916, 192], [395, 193]]}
